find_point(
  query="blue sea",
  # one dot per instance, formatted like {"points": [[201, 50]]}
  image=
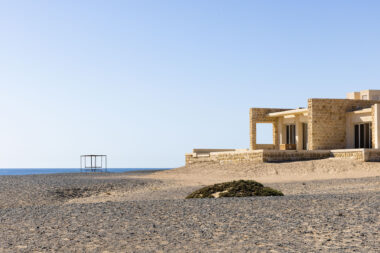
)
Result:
{"points": [[4, 172]]}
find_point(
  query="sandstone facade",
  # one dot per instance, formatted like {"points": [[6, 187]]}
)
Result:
{"points": [[325, 124], [338, 128], [327, 121]]}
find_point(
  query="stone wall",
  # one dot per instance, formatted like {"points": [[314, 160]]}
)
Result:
{"points": [[190, 159], [247, 156], [357, 154], [259, 115], [366, 155], [372, 155], [327, 121], [257, 156], [291, 155], [223, 157]]}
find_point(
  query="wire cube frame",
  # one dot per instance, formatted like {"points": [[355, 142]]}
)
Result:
{"points": [[93, 163]]}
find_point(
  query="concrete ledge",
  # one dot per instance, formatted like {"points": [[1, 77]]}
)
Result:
{"points": [[202, 152], [266, 146]]}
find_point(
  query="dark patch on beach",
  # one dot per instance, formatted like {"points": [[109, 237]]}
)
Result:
{"points": [[52, 189], [241, 188], [72, 193], [82, 192]]}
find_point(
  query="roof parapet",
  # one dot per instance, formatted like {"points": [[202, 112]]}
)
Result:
{"points": [[289, 112]]}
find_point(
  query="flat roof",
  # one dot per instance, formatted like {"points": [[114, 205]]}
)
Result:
{"points": [[289, 112]]}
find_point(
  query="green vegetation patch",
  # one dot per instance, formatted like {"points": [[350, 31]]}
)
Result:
{"points": [[241, 188]]}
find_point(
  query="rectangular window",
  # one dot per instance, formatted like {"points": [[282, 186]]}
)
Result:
{"points": [[290, 134]]}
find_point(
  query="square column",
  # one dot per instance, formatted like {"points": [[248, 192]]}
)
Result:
{"points": [[376, 126], [253, 136], [299, 135]]}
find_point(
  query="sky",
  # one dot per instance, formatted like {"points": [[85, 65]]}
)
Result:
{"points": [[145, 82]]}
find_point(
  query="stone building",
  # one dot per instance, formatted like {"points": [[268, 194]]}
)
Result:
{"points": [[327, 128], [326, 124]]}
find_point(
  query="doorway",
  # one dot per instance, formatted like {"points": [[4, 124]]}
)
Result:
{"points": [[363, 135], [290, 134]]}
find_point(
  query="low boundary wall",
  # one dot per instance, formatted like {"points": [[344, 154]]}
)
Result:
{"points": [[367, 155], [357, 154]]}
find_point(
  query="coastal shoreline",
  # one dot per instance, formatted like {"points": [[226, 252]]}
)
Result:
{"points": [[23, 172]]}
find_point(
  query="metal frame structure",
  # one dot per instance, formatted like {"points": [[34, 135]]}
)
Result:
{"points": [[94, 165]]}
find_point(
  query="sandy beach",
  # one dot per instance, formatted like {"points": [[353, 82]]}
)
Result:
{"points": [[329, 205]]}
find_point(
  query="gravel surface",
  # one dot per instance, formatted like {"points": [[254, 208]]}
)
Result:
{"points": [[336, 186], [55, 188], [317, 216]]}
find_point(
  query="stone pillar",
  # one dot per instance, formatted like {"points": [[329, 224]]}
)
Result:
{"points": [[350, 132], [252, 130], [253, 136], [310, 145], [376, 126], [299, 137], [275, 134], [280, 132]]}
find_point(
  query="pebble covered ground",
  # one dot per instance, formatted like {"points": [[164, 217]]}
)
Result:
{"points": [[47, 189], [38, 219]]}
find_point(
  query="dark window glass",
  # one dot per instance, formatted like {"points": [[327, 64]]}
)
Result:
{"points": [[304, 135], [361, 136], [356, 136], [366, 135]]}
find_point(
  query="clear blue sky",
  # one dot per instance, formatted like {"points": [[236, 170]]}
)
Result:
{"points": [[147, 81]]}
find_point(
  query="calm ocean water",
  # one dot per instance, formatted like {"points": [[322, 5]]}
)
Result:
{"points": [[4, 172]]}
